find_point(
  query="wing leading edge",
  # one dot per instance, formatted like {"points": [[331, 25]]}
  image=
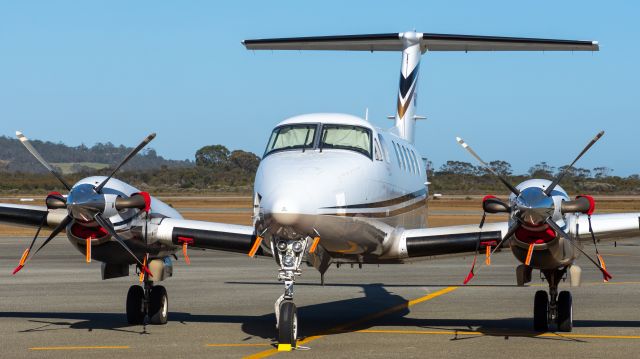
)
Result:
{"points": [[428, 42]]}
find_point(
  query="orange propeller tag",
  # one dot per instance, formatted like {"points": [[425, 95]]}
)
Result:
{"points": [[529, 254], [25, 254], [314, 245], [144, 269], [88, 249], [488, 261], [603, 265], [184, 253], [255, 247]]}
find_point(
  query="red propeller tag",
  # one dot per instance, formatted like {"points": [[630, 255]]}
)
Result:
{"points": [[471, 274]]}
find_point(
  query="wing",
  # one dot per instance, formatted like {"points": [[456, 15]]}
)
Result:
{"points": [[428, 242], [610, 226], [428, 42], [208, 235], [30, 216]]}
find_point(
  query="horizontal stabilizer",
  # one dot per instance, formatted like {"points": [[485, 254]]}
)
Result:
{"points": [[428, 42]]}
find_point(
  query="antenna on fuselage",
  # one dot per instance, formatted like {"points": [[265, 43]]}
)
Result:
{"points": [[366, 114]]}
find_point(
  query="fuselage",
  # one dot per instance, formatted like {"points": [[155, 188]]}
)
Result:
{"points": [[340, 177]]}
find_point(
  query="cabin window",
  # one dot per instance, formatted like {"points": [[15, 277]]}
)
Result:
{"points": [[385, 151], [405, 163], [396, 147], [376, 150], [409, 163], [289, 137], [346, 137], [415, 160]]}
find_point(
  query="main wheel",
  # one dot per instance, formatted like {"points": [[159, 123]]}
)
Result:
{"points": [[541, 312], [158, 305], [288, 324], [565, 311], [135, 306]]}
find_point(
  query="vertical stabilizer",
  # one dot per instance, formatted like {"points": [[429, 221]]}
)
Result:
{"points": [[408, 88]]}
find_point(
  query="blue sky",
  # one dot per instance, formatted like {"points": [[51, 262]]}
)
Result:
{"points": [[86, 72]]}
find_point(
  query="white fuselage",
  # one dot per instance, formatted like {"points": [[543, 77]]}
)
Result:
{"points": [[342, 194]]}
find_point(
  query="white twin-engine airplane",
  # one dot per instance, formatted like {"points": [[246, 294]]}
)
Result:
{"points": [[332, 188]]}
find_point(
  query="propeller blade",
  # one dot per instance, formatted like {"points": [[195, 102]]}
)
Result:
{"points": [[25, 254], [508, 235], [486, 165], [106, 224], [564, 172], [55, 232], [36, 154], [126, 159], [564, 234]]}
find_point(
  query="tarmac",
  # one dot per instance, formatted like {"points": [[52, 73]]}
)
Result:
{"points": [[222, 306]]}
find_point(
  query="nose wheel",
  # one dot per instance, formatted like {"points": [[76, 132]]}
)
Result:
{"points": [[149, 302], [287, 326], [553, 307]]}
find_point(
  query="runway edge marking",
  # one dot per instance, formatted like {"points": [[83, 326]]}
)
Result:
{"points": [[337, 329]]}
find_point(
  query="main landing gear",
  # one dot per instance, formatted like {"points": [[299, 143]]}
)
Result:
{"points": [[553, 307], [289, 255], [148, 301]]}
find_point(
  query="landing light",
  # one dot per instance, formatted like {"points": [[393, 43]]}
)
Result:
{"points": [[288, 261], [297, 246], [282, 246]]}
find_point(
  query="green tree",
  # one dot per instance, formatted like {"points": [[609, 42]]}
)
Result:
{"points": [[214, 156], [246, 161], [542, 170]]}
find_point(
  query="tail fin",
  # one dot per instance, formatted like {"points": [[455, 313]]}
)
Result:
{"points": [[413, 45]]}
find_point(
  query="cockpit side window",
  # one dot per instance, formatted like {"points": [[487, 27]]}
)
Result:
{"points": [[288, 137], [347, 137]]}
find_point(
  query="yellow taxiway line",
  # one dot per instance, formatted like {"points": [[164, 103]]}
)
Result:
{"points": [[224, 345], [82, 347], [342, 327]]}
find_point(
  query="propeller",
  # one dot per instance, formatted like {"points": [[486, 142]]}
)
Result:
{"points": [[125, 160], [486, 165], [566, 169], [534, 207], [106, 224], [564, 234], [25, 256], [36, 154], [86, 203], [510, 232]]}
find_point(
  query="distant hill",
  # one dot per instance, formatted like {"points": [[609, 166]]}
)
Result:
{"points": [[15, 158]]}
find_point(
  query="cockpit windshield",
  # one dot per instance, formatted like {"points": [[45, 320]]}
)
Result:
{"points": [[298, 136], [347, 137]]}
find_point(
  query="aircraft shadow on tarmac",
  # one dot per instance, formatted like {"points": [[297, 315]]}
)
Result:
{"points": [[342, 316]]}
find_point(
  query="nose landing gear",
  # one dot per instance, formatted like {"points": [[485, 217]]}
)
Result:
{"points": [[554, 307], [289, 255]]}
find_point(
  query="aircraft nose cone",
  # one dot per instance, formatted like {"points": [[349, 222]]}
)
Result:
{"points": [[284, 211]]}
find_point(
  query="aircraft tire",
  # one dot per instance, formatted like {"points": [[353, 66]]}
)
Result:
{"points": [[288, 328], [158, 305], [135, 298], [565, 311], [541, 312]]}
